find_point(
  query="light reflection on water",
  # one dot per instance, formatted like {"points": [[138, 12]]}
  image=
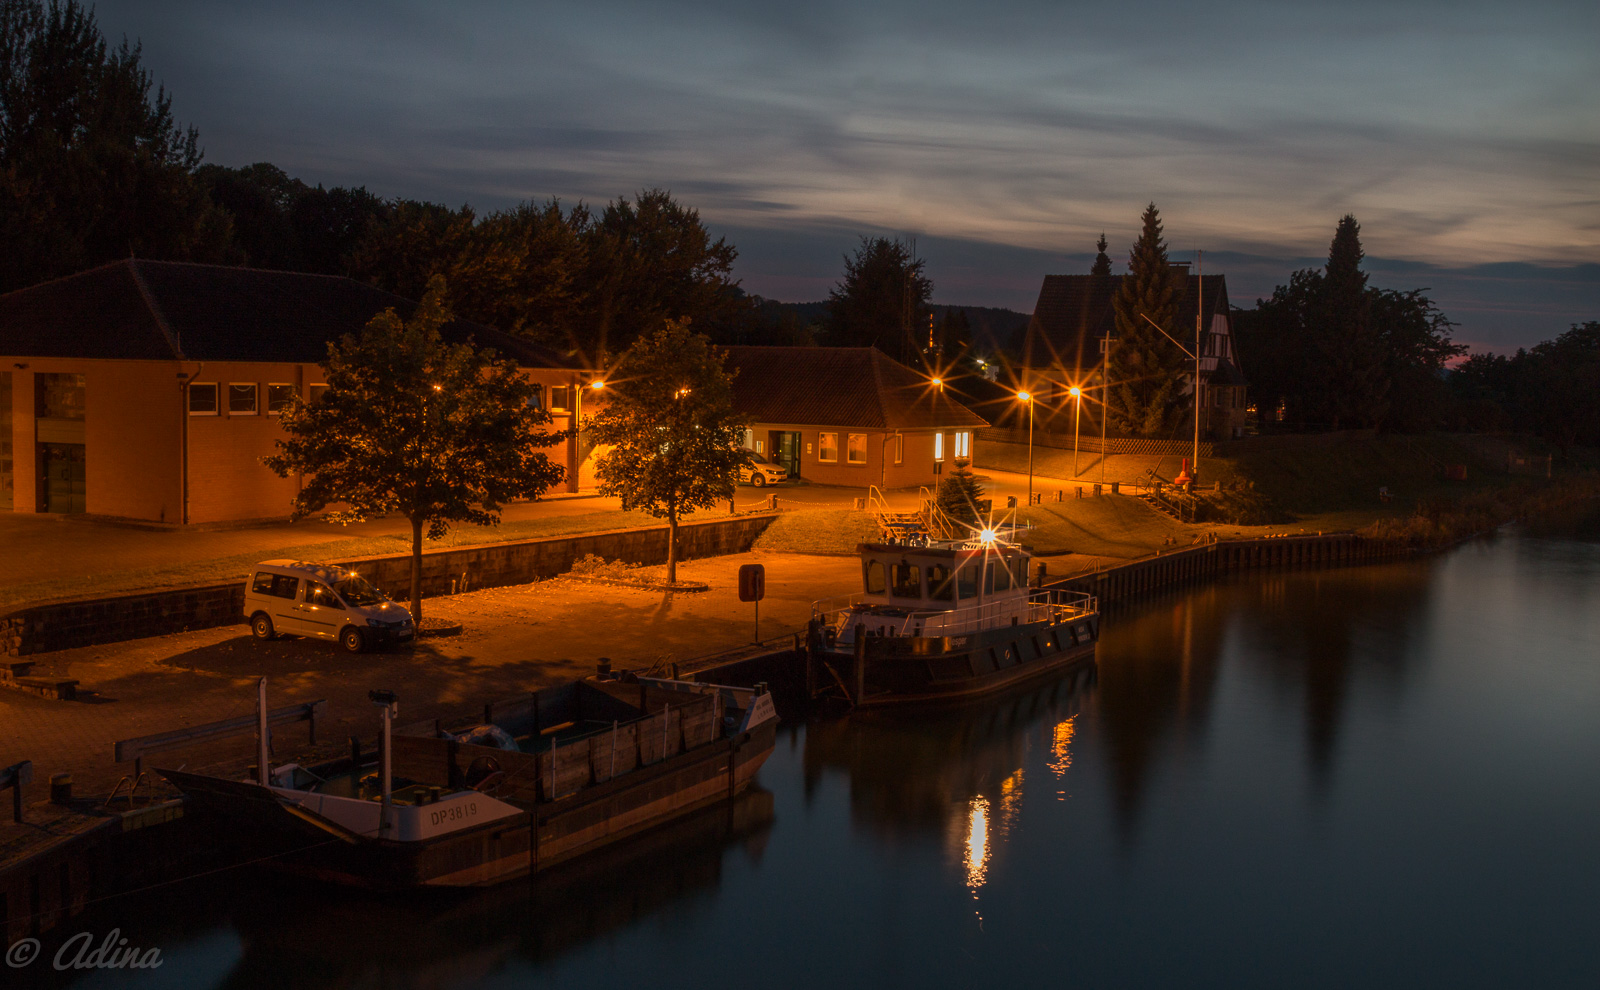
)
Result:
{"points": [[1379, 776]]}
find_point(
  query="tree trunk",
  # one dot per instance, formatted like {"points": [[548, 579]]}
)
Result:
{"points": [[672, 544], [416, 572]]}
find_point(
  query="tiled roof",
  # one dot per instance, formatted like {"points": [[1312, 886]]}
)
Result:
{"points": [[840, 386], [167, 310], [1075, 311]]}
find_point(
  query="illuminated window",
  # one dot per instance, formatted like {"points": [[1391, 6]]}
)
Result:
{"points": [[964, 445], [202, 398], [938, 446], [858, 448], [899, 448], [828, 447], [280, 398], [874, 577], [242, 399]]}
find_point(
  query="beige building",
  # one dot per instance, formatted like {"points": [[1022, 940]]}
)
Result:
{"points": [[849, 416], [151, 390]]}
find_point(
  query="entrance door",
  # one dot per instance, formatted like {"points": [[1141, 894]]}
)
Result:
{"points": [[65, 476], [786, 451]]}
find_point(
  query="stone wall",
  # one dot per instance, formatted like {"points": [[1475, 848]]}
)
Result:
{"points": [[88, 622]]}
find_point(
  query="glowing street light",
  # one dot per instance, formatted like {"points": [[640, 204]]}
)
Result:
{"points": [[1077, 412], [597, 384], [1025, 397]]}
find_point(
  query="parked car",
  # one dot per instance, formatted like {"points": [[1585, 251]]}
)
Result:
{"points": [[299, 599], [760, 471]]}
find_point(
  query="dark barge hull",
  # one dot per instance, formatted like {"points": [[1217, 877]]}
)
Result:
{"points": [[909, 670], [542, 836]]}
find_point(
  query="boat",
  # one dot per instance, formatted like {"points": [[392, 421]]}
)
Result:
{"points": [[537, 781], [940, 621]]}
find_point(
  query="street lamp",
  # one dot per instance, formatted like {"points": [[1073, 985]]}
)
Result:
{"points": [[1077, 411], [1025, 397]]}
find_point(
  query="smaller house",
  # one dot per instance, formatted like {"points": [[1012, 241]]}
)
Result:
{"points": [[849, 416], [1066, 339]]}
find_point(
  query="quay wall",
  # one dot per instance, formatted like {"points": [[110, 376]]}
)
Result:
{"points": [[1123, 582], [92, 621]]}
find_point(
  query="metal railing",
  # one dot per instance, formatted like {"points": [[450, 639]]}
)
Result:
{"points": [[1047, 605]]}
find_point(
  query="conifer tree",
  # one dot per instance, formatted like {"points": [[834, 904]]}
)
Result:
{"points": [[1355, 389], [1102, 261], [1147, 369], [959, 494]]}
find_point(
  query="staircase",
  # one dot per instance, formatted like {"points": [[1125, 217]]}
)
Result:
{"points": [[1175, 506], [898, 526]]}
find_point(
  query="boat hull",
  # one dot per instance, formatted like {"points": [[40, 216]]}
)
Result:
{"points": [[542, 835], [911, 670]]}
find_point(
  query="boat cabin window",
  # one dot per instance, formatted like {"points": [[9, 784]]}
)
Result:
{"points": [[907, 580], [874, 577], [998, 578], [967, 584], [940, 586]]}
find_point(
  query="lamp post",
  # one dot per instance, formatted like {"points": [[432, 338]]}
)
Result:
{"points": [[1105, 397], [1077, 412], [1025, 397]]}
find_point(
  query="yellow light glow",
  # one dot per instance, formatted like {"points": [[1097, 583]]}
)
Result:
{"points": [[977, 845], [1024, 396], [1061, 747], [987, 536], [937, 382], [1074, 391], [680, 393], [597, 384], [438, 388]]}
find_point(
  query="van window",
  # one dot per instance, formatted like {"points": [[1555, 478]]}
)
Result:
{"points": [[321, 594], [276, 585], [358, 591], [939, 585], [967, 586], [874, 577], [907, 580]]}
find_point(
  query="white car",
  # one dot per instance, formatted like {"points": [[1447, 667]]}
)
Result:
{"points": [[760, 471], [301, 599]]}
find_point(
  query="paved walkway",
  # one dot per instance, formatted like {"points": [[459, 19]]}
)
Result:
{"points": [[517, 639]]}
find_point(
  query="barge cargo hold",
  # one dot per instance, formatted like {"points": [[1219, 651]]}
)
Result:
{"points": [[552, 776]]}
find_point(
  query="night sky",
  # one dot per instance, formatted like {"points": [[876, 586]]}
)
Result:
{"points": [[1004, 136]]}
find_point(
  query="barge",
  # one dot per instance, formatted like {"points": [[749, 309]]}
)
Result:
{"points": [[946, 621], [540, 780]]}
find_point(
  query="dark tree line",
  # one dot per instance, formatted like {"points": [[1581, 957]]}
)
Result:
{"points": [[1552, 390], [1332, 352]]}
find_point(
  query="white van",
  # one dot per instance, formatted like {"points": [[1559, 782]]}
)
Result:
{"points": [[299, 599]]}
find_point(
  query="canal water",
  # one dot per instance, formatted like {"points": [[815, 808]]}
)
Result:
{"points": [[1381, 776]]}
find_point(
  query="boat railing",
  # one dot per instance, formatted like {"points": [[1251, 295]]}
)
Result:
{"points": [[1048, 605]]}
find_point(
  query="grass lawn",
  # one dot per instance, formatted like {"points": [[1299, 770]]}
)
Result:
{"points": [[830, 531]]}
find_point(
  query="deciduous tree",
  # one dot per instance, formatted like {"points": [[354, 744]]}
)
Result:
{"points": [[411, 425], [673, 433]]}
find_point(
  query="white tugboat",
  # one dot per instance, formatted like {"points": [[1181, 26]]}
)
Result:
{"points": [[945, 621]]}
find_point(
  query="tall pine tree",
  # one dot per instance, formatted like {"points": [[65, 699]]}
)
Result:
{"points": [[1147, 369], [1355, 385], [1102, 261]]}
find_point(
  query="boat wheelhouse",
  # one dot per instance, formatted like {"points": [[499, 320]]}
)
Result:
{"points": [[943, 621]]}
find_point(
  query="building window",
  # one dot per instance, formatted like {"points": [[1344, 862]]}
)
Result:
{"points": [[202, 398], [858, 448], [280, 398], [317, 392], [536, 397], [242, 399], [899, 448], [938, 446], [964, 445], [828, 447], [559, 400]]}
